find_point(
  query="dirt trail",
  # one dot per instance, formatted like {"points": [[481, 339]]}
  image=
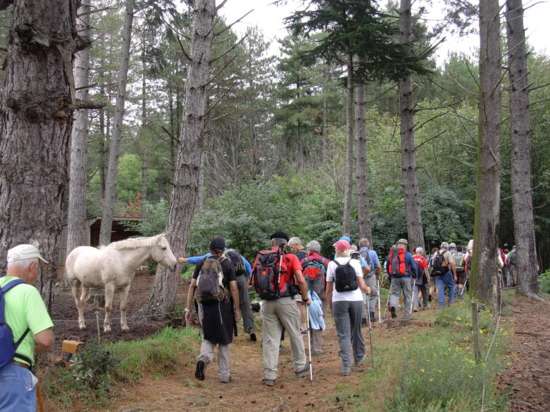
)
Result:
{"points": [[528, 378], [181, 391]]}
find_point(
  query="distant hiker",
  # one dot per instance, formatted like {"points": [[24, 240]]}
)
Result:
{"points": [[297, 248], [401, 269], [215, 286], [316, 323], [314, 268], [27, 329], [460, 267], [243, 270], [422, 279], [345, 285], [277, 277], [443, 271], [371, 279], [512, 263]]}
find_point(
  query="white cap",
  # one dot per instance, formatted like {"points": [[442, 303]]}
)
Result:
{"points": [[24, 252]]}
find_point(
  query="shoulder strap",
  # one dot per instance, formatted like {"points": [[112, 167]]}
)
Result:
{"points": [[11, 284]]}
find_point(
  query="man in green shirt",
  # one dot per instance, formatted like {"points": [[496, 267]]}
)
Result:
{"points": [[26, 315]]}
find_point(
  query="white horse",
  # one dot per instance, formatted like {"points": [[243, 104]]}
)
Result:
{"points": [[113, 267]]}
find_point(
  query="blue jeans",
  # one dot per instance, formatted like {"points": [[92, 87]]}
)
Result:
{"points": [[443, 282], [17, 389]]}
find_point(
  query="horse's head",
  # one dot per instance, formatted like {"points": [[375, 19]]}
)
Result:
{"points": [[162, 253]]}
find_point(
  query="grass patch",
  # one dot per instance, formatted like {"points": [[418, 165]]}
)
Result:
{"points": [[98, 369], [433, 370]]}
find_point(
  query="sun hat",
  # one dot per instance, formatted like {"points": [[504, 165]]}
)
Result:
{"points": [[24, 252], [342, 245]]}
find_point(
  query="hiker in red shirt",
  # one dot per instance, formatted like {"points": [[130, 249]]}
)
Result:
{"points": [[422, 279]]}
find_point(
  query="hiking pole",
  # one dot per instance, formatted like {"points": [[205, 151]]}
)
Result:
{"points": [[370, 335], [379, 310], [309, 344]]}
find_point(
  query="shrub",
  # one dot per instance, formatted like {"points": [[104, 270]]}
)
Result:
{"points": [[544, 282]]}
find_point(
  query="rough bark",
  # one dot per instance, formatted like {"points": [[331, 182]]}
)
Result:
{"points": [[189, 154], [522, 198], [488, 172], [109, 199], [76, 222], [36, 105], [348, 188], [362, 164], [409, 181]]}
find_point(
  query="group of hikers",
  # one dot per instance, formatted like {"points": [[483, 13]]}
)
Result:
{"points": [[296, 285]]}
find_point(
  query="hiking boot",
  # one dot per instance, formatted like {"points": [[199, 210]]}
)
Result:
{"points": [[253, 337], [393, 312], [302, 372], [372, 317], [199, 371], [268, 382]]}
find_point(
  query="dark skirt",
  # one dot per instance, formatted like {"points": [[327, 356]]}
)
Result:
{"points": [[217, 322]]}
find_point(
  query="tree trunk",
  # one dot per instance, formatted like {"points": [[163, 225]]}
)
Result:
{"points": [[409, 181], [36, 106], [522, 195], [189, 154], [488, 172], [348, 189], [76, 223], [144, 148], [362, 164], [112, 170]]}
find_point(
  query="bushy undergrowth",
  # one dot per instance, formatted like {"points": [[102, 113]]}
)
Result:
{"points": [[434, 370], [544, 282], [99, 368]]}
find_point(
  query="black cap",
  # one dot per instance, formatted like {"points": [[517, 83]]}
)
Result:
{"points": [[279, 235], [218, 243]]}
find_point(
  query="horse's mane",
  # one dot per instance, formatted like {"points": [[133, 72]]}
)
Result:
{"points": [[135, 242]]}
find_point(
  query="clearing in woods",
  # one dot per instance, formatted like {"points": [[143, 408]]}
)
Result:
{"points": [[182, 392]]}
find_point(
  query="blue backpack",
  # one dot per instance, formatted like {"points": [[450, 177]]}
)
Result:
{"points": [[7, 344]]}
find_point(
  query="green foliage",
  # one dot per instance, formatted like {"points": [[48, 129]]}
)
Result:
{"points": [[155, 216], [99, 369], [544, 282]]}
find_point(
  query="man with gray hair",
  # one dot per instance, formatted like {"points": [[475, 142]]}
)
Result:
{"points": [[25, 328], [371, 279]]}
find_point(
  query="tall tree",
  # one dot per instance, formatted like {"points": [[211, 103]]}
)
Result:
{"points": [[409, 181], [350, 159], [109, 199], [485, 273], [522, 197], [361, 160], [77, 233], [36, 101], [189, 152]]}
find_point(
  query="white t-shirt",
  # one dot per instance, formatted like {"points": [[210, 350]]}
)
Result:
{"points": [[353, 295]]}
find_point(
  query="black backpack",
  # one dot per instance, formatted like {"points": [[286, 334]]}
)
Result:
{"points": [[210, 282], [237, 261], [439, 264], [345, 278]]}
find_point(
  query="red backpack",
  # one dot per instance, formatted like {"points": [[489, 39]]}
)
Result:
{"points": [[313, 269], [270, 281], [396, 262]]}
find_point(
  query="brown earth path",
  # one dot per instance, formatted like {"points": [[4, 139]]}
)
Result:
{"points": [[528, 378], [182, 392]]}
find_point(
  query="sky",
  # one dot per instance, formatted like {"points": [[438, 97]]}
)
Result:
{"points": [[269, 18]]}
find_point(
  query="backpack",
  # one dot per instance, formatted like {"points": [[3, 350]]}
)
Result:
{"points": [[237, 261], [267, 275], [459, 261], [396, 262], [210, 282], [7, 344], [439, 265], [345, 278], [313, 269]]}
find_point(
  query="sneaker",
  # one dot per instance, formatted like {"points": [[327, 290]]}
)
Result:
{"points": [[226, 380], [268, 382], [393, 312], [345, 372], [253, 337], [302, 372], [199, 371], [372, 317]]}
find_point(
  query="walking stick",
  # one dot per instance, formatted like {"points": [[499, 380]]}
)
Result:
{"points": [[412, 295], [370, 335], [309, 344], [379, 310]]}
